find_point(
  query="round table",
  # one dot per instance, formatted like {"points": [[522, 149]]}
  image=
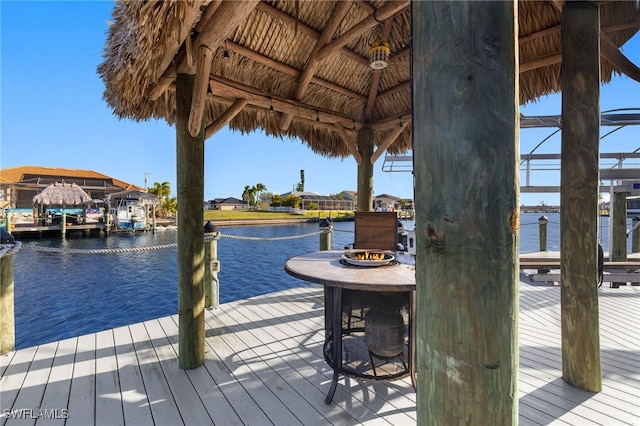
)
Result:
{"points": [[353, 292]]}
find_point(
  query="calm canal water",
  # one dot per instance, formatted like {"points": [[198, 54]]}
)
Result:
{"points": [[61, 295]]}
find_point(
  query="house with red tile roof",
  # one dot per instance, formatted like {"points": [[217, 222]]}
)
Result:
{"points": [[18, 185]]}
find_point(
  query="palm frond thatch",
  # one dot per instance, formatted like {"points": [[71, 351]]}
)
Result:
{"points": [[62, 194]]}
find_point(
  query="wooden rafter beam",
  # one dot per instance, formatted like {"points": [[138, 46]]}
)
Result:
{"points": [[556, 30], [234, 90], [225, 118], [289, 70], [227, 16], [330, 27], [608, 50], [290, 21], [611, 53], [351, 144], [385, 12], [388, 141], [200, 87], [191, 15], [403, 118]]}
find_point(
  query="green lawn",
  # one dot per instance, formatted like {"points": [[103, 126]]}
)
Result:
{"points": [[261, 214]]}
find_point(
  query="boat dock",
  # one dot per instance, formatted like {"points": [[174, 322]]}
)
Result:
{"points": [[264, 365]]}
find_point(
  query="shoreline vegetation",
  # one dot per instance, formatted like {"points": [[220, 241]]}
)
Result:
{"points": [[236, 217]]}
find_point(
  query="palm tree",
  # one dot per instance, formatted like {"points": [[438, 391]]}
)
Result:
{"points": [[249, 195], [259, 188], [160, 189]]}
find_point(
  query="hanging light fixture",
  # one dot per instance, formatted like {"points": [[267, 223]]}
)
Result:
{"points": [[225, 53], [379, 53]]}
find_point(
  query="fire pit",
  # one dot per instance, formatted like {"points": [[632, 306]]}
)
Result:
{"points": [[368, 258], [368, 313]]}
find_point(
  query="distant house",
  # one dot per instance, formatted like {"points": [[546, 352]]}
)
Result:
{"points": [[18, 185], [390, 203], [349, 195], [229, 203], [312, 201]]}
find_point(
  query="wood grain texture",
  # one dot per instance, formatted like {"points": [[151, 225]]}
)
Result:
{"points": [[579, 195], [7, 317], [466, 190], [365, 170], [190, 182]]}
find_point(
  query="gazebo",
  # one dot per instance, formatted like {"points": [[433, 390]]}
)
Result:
{"points": [[62, 195], [358, 78]]}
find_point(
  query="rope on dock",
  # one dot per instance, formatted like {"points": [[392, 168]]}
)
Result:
{"points": [[207, 236], [34, 247], [8, 249]]}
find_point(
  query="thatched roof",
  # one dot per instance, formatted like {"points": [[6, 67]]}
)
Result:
{"points": [[62, 194], [301, 68]]}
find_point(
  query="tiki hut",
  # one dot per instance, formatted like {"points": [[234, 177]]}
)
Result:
{"points": [[360, 78], [61, 194]]}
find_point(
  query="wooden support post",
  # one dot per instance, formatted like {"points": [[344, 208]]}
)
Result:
{"points": [[635, 235], [325, 235], [7, 316], [580, 80], [153, 218], [107, 219], [365, 170], [542, 234], [618, 223], [211, 269], [63, 224], [190, 182], [466, 138]]}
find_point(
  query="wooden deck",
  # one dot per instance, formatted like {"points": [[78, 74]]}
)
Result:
{"points": [[264, 366]]}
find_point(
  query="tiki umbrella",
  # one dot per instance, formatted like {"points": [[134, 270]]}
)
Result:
{"points": [[61, 194]]}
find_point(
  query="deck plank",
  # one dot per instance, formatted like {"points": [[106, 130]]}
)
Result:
{"points": [[56, 395], [13, 378], [210, 394], [108, 397], [184, 395], [135, 403], [32, 391], [163, 407], [82, 396], [264, 365]]}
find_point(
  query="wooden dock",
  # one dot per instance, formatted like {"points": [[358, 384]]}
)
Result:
{"points": [[264, 366]]}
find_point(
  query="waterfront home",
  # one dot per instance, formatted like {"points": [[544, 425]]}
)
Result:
{"points": [[18, 185], [229, 203]]}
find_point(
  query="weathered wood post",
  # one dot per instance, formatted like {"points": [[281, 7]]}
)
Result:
{"points": [[542, 235], [635, 235], [618, 223], [325, 235], [466, 138], [542, 232], [365, 170], [211, 266], [190, 182], [579, 180], [63, 224], [7, 316]]}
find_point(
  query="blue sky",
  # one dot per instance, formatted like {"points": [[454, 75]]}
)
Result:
{"points": [[52, 114]]}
